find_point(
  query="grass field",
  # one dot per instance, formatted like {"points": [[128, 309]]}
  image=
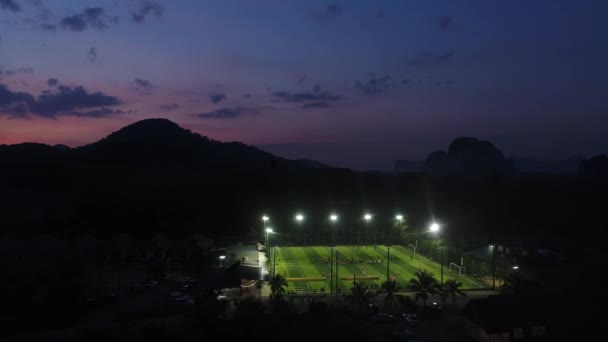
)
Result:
{"points": [[365, 262]]}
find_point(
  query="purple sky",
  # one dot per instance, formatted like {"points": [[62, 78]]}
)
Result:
{"points": [[353, 83]]}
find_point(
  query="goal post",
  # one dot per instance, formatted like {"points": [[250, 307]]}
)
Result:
{"points": [[454, 267], [412, 247]]}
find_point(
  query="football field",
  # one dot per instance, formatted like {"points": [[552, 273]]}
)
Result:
{"points": [[308, 268]]}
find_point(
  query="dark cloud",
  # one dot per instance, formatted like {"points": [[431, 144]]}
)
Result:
{"points": [[445, 83], [51, 82], [142, 83], [444, 22], [37, 3], [49, 27], [64, 101], [429, 58], [92, 54], [10, 5], [8, 97], [316, 105], [228, 113], [317, 94], [92, 17], [375, 85], [67, 100], [247, 96], [149, 7], [169, 106], [102, 112], [409, 81], [330, 12], [217, 98], [301, 80], [12, 72], [380, 15]]}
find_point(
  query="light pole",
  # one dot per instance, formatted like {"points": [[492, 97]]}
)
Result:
{"points": [[333, 218], [299, 220], [435, 229], [367, 218], [222, 258], [493, 266], [268, 232]]}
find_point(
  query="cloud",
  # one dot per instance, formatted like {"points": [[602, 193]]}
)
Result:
{"points": [[51, 82], [445, 83], [330, 12], [142, 83], [37, 3], [149, 7], [64, 101], [380, 15], [102, 112], [247, 96], [444, 22], [409, 81], [217, 98], [49, 27], [429, 58], [10, 5], [228, 113], [67, 100], [316, 105], [301, 80], [92, 17], [375, 85], [92, 54], [317, 94], [169, 106], [12, 72]]}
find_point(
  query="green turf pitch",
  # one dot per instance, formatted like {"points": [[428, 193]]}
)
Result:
{"points": [[313, 261]]}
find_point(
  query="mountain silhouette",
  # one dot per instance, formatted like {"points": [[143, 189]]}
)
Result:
{"points": [[151, 142], [469, 157]]}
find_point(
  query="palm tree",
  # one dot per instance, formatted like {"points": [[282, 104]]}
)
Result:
{"points": [[361, 294], [389, 287], [278, 283], [424, 284], [452, 288]]}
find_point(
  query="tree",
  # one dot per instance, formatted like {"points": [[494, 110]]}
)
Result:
{"points": [[424, 285], [452, 288], [361, 294], [278, 283], [389, 287]]}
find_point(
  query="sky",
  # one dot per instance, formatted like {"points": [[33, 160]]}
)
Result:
{"points": [[355, 84]]}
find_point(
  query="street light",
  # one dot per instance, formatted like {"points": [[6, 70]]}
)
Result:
{"points": [[367, 218], [434, 228], [222, 258], [333, 218], [268, 231], [399, 218], [265, 220], [299, 218]]}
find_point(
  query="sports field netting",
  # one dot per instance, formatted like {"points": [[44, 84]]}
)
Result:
{"points": [[365, 263]]}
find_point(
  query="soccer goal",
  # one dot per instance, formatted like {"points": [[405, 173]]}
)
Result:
{"points": [[454, 267], [412, 247]]}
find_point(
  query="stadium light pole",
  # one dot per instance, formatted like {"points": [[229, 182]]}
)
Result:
{"points": [[299, 220], [388, 264], [333, 218], [435, 229], [367, 218], [268, 232], [222, 258]]}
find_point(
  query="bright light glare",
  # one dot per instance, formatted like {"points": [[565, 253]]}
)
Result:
{"points": [[515, 267], [399, 217], [434, 227], [268, 230], [299, 217], [222, 257], [367, 217], [333, 217], [265, 218]]}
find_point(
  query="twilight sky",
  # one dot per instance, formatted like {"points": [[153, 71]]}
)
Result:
{"points": [[352, 83]]}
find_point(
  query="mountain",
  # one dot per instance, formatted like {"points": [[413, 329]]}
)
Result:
{"points": [[468, 157], [158, 142], [595, 168], [407, 166], [556, 166], [313, 164]]}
